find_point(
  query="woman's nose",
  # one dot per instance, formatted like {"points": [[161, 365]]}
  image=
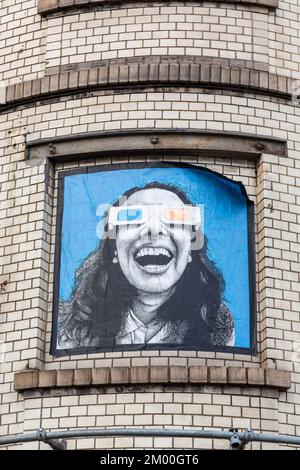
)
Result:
{"points": [[153, 228]]}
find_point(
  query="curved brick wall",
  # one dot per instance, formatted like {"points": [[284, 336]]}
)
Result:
{"points": [[53, 62], [32, 45]]}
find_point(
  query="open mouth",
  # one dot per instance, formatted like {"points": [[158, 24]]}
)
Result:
{"points": [[153, 259]]}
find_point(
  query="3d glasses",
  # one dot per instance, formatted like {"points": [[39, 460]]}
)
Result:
{"points": [[171, 215]]}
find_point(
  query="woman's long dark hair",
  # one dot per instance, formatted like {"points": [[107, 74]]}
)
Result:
{"points": [[102, 295]]}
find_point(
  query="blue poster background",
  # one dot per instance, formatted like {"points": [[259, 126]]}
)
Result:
{"points": [[225, 226]]}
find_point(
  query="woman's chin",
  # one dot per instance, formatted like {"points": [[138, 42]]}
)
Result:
{"points": [[155, 279]]}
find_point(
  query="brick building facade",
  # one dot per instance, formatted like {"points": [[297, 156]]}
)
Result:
{"points": [[216, 84]]}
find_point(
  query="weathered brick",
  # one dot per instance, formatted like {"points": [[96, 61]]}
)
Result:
{"points": [[54, 81], [217, 375], [45, 85], [198, 374], [123, 73], [10, 93], [139, 375], [153, 72], [100, 376], [263, 79], [278, 378], [159, 374], [26, 380], [195, 72], [73, 79], [103, 74], [27, 89], [225, 75], [64, 378], [143, 72], [83, 78], [119, 375], [178, 374], [235, 76], [184, 72], [19, 91], [255, 376], [282, 84], [82, 377], [93, 77], [163, 72], [273, 81], [63, 81], [174, 72], [237, 375], [254, 78], [215, 73], [47, 378], [245, 77], [114, 74], [47, 5], [133, 72], [205, 73]]}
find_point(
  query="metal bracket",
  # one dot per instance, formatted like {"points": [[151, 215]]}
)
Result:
{"points": [[248, 437], [55, 444], [235, 442]]}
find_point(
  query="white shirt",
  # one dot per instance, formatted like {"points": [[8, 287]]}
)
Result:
{"points": [[134, 331]]}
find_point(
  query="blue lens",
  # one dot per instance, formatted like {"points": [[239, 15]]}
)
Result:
{"points": [[128, 215]]}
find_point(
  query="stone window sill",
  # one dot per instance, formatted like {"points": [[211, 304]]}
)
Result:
{"points": [[193, 375]]}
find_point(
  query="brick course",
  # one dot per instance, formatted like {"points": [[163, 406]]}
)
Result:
{"points": [[112, 76], [30, 380]]}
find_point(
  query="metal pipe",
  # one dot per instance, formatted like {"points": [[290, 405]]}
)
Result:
{"points": [[238, 440]]}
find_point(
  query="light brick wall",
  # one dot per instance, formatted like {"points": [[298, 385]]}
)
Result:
{"points": [[157, 30], [28, 211], [172, 408], [23, 38], [31, 44], [25, 302]]}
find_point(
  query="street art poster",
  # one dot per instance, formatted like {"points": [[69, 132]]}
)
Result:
{"points": [[153, 256]]}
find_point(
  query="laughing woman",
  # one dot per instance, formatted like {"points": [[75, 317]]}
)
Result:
{"points": [[148, 282]]}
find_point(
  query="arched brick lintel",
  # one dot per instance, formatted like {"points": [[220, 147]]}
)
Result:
{"points": [[163, 74]]}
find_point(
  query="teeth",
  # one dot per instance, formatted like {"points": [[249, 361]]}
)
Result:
{"points": [[151, 266], [153, 252]]}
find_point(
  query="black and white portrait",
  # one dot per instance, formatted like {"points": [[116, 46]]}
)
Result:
{"points": [[150, 280]]}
